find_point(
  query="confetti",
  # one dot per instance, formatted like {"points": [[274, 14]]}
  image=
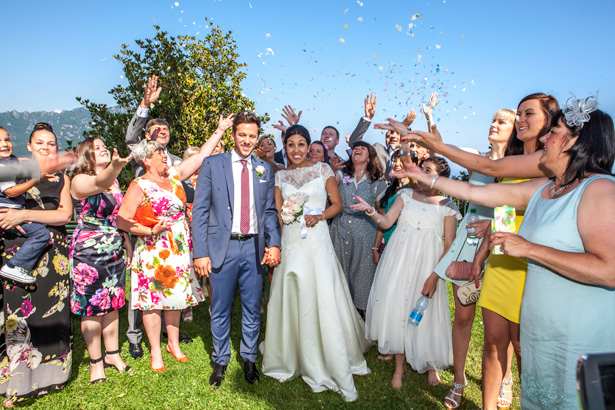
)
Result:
{"points": [[345, 25], [359, 3], [345, 11], [397, 27], [416, 16], [104, 59], [267, 35], [176, 4], [342, 40], [360, 19], [438, 46]]}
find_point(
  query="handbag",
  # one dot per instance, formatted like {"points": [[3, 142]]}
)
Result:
{"points": [[145, 215], [460, 270], [468, 293]]}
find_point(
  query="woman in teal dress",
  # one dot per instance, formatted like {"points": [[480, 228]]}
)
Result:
{"points": [[566, 236]]}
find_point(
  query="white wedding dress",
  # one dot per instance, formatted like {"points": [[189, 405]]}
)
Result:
{"points": [[313, 329]]}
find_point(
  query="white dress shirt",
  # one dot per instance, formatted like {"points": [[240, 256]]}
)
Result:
{"points": [[237, 169]]}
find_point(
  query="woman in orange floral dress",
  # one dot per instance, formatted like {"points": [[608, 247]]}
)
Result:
{"points": [[162, 275]]}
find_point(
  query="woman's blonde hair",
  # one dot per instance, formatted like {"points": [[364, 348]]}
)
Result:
{"points": [[506, 114]]}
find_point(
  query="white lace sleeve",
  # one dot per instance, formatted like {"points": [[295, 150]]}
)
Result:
{"points": [[450, 209], [326, 172], [278, 179]]}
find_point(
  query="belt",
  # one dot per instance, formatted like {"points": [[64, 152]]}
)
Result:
{"points": [[241, 237]]}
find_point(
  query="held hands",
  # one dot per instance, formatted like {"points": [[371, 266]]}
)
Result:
{"points": [[511, 244], [225, 123], [272, 257], [151, 92], [289, 115], [370, 106], [202, 266]]}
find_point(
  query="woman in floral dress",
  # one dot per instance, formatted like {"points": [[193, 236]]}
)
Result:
{"points": [[97, 254], [162, 275], [33, 360]]}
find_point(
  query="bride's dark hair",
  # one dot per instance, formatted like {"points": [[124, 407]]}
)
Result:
{"points": [[298, 130]]}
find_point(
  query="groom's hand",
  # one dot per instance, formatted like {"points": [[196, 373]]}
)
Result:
{"points": [[272, 257], [202, 266]]}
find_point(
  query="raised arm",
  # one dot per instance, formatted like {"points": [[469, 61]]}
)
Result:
{"points": [[596, 223], [490, 195], [428, 109], [369, 105], [151, 92], [382, 221], [83, 185], [189, 166], [288, 113]]}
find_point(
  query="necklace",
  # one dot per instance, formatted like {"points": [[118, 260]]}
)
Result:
{"points": [[554, 191]]}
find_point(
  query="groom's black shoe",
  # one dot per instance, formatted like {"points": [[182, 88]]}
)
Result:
{"points": [[250, 371], [217, 375], [135, 350]]}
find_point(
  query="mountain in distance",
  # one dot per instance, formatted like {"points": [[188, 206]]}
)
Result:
{"points": [[67, 125]]}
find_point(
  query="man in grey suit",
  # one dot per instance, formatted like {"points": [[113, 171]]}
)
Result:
{"points": [[236, 231], [157, 130], [392, 138]]}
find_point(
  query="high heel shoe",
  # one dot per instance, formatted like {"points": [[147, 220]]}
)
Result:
{"points": [[111, 353], [504, 403], [159, 369], [179, 359], [102, 379], [452, 393]]}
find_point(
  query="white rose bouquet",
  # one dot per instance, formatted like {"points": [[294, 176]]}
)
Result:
{"points": [[292, 208]]}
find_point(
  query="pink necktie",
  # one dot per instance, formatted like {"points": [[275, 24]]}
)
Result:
{"points": [[244, 224]]}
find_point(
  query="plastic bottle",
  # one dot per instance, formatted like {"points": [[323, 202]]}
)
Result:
{"points": [[419, 310], [472, 239]]}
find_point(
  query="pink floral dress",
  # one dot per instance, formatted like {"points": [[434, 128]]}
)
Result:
{"points": [[162, 275], [97, 256]]}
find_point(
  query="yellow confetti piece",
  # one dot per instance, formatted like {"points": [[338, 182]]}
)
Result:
{"points": [[176, 4], [375, 57], [463, 37], [342, 40], [345, 25]]}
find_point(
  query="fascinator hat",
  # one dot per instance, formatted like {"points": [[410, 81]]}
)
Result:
{"points": [[144, 149], [576, 112]]}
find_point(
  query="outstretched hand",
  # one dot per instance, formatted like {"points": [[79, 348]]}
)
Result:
{"points": [[394, 125], [337, 163], [430, 140], [225, 123], [433, 101], [370, 106], [289, 115], [280, 126], [511, 244], [118, 161], [151, 92], [410, 117], [409, 171], [362, 205]]}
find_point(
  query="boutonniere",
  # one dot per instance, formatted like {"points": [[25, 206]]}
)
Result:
{"points": [[346, 180], [260, 171]]}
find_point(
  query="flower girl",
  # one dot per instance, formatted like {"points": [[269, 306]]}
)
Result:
{"points": [[405, 272]]}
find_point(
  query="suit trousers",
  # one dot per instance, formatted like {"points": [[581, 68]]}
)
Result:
{"points": [[241, 266]]}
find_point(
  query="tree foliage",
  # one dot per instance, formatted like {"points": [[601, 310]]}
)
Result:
{"points": [[200, 80]]}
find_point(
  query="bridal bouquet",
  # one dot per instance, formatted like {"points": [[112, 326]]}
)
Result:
{"points": [[292, 208]]}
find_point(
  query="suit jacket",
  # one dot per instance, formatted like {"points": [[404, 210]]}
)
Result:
{"points": [[279, 157], [383, 154], [212, 213]]}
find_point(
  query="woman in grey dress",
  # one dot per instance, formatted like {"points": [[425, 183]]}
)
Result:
{"points": [[353, 232]]}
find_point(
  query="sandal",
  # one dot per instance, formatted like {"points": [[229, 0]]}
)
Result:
{"points": [[504, 403], [105, 364], [179, 359], [102, 379], [450, 397]]}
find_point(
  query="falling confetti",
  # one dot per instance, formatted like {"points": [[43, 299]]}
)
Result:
{"points": [[438, 46], [397, 27], [345, 11], [342, 40], [104, 59], [360, 19], [416, 16], [176, 4], [345, 25], [359, 3], [267, 35], [270, 51]]}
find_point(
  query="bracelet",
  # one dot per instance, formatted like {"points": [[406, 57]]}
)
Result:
{"points": [[323, 214], [433, 181], [373, 212], [375, 249], [152, 231]]}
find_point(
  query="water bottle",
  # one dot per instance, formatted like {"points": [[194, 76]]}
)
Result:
{"points": [[419, 310], [472, 239]]}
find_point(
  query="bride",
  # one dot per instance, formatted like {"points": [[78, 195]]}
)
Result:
{"points": [[313, 329]]}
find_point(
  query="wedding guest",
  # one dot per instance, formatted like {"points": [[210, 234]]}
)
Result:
{"points": [[353, 232], [426, 229], [317, 152], [565, 237], [97, 254], [33, 360], [500, 131], [162, 274], [265, 150]]}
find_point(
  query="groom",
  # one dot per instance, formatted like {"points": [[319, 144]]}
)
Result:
{"points": [[236, 232]]}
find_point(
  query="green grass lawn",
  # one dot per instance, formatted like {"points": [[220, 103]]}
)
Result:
{"points": [[185, 385]]}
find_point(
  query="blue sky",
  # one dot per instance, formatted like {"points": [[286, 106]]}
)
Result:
{"points": [[480, 55]]}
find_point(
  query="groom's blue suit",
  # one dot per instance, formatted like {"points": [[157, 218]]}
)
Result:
{"points": [[233, 261]]}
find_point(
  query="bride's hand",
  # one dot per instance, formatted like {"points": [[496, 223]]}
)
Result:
{"points": [[311, 220], [362, 205]]}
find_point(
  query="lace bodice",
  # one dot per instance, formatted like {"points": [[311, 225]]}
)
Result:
{"points": [[309, 180], [421, 215]]}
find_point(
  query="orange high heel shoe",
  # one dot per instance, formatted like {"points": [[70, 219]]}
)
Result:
{"points": [[179, 359], [158, 370]]}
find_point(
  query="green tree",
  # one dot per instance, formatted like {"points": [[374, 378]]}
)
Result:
{"points": [[461, 204], [200, 80]]}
